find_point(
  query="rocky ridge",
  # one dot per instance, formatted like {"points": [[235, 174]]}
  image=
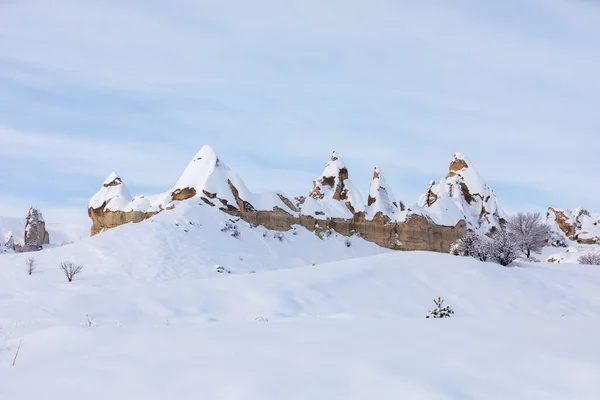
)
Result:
{"points": [[459, 202]]}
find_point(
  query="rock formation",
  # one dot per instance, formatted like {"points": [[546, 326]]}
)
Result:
{"points": [[577, 225], [382, 206], [332, 204], [333, 194], [463, 195], [112, 206], [35, 231], [205, 178]]}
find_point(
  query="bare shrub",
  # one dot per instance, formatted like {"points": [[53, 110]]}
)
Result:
{"points": [[439, 311], [504, 248], [348, 242], [528, 232], [592, 258], [70, 269], [473, 245], [279, 236], [30, 265], [222, 270]]}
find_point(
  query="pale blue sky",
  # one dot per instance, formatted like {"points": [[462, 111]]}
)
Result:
{"points": [[87, 87]]}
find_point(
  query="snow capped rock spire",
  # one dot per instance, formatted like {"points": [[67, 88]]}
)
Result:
{"points": [[381, 202], [112, 195], [463, 194], [333, 194]]}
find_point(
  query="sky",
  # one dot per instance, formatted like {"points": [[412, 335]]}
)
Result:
{"points": [[88, 87]]}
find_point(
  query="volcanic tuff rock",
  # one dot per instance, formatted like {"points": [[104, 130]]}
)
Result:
{"points": [[205, 178], [578, 224], [463, 195], [382, 206], [332, 204], [333, 194], [35, 231]]}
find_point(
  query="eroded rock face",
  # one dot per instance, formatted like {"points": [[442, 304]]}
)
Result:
{"points": [[332, 204], [109, 207], [333, 194], [417, 233], [463, 195], [35, 231], [578, 225], [104, 219]]}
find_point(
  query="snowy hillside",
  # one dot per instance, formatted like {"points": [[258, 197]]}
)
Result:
{"points": [[351, 329]]}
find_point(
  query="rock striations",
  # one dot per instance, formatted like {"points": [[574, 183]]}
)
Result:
{"points": [[459, 202]]}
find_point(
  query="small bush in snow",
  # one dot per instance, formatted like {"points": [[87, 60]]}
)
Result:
{"points": [[592, 258], [279, 236], [30, 265], [440, 311], [348, 242], [265, 234], [528, 232], [504, 248], [70, 269], [473, 245]]}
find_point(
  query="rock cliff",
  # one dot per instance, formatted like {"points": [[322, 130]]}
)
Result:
{"points": [[333, 203]]}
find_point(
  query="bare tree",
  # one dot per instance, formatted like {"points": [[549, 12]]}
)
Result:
{"points": [[70, 269], [31, 265], [592, 258], [529, 232], [473, 245], [504, 249]]}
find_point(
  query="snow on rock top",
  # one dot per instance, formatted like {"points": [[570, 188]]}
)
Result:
{"points": [[333, 194], [205, 177], [463, 194], [113, 195], [216, 184], [381, 201], [577, 225]]}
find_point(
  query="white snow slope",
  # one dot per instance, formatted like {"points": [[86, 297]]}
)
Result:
{"points": [[167, 325]]}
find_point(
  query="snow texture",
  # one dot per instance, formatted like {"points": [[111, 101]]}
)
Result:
{"points": [[151, 315]]}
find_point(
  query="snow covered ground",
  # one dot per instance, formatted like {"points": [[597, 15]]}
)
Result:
{"points": [[297, 317]]}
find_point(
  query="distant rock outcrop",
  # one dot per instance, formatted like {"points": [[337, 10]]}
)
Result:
{"points": [[578, 225], [35, 231], [205, 178], [463, 195]]}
